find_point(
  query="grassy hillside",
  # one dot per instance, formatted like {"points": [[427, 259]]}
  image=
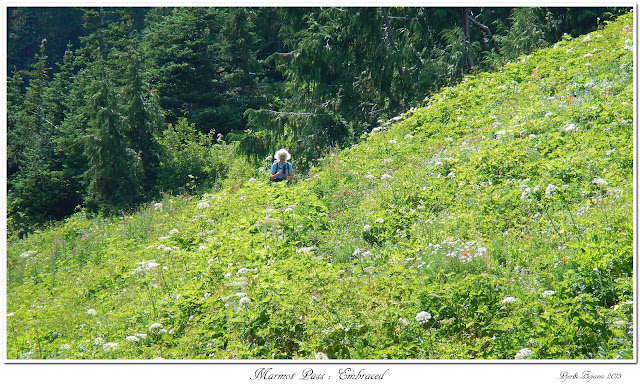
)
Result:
{"points": [[496, 222]]}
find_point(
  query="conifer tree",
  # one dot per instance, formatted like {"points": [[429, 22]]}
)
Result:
{"points": [[115, 170]]}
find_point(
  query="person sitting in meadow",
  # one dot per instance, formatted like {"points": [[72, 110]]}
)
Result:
{"points": [[281, 169]]}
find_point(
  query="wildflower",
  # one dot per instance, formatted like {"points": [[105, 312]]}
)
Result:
{"points": [[599, 181], [146, 266], [109, 346], [393, 141], [86, 236], [380, 220], [451, 175], [65, 347], [227, 275], [158, 205], [98, 341], [532, 136], [155, 326], [524, 353], [369, 270], [244, 300], [91, 311], [203, 205], [10, 314], [173, 231], [370, 177], [132, 338], [569, 128], [609, 152], [403, 321], [306, 249], [551, 188], [321, 356], [386, 177], [547, 115], [586, 39], [243, 271], [525, 194], [141, 336], [548, 293], [423, 317], [366, 227], [408, 136], [501, 133], [509, 299]]}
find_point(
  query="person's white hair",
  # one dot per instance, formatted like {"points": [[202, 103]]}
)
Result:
{"points": [[280, 152]]}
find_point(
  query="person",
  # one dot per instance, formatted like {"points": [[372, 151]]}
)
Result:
{"points": [[281, 169]]}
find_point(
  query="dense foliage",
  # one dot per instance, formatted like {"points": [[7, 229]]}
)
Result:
{"points": [[495, 222], [92, 91]]}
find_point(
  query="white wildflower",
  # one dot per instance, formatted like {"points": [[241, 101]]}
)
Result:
{"points": [[403, 321], [525, 194], [155, 326], [158, 205], [609, 152], [321, 356], [366, 227], [10, 314], [227, 275], [173, 231], [524, 353], [408, 136], [203, 205], [548, 293], [586, 39], [423, 317], [451, 175], [132, 338], [65, 347], [568, 128], [98, 341], [547, 115], [244, 271], [509, 299], [244, 300], [386, 177], [306, 249], [393, 141], [551, 188], [141, 336], [599, 181], [369, 270], [91, 311], [145, 267], [501, 133], [532, 136], [380, 220], [109, 346]]}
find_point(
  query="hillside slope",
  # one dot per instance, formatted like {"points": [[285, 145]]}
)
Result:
{"points": [[496, 222]]}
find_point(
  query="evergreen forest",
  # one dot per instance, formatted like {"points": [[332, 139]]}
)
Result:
{"points": [[112, 108]]}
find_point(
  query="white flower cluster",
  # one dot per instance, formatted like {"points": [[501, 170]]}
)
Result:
{"points": [[203, 205], [110, 346], [423, 317], [509, 299], [306, 249], [91, 311], [524, 353], [599, 181], [551, 188], [464, 251], [145, 267], [548, 293]]}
